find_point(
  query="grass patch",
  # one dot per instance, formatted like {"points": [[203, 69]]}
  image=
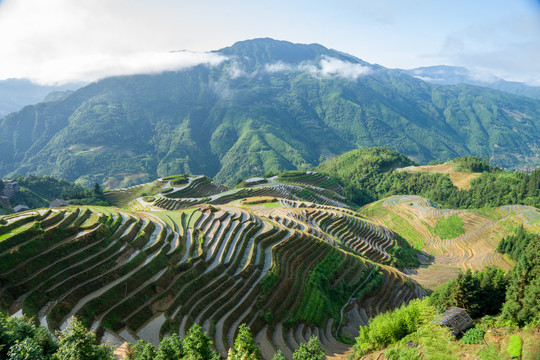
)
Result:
{"points": [[16, 231], [515, 347], [272, 205], [449, 227]]}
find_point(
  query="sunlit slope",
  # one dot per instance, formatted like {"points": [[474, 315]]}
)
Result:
{"points": [[417, 219], [144, 274]]}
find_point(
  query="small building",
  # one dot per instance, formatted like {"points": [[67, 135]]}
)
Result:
{"points": [[11, 187], [457, 319], [20, 208], [58, 203]]}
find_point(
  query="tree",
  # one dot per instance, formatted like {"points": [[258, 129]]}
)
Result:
{"points": [[141, 350], [309, 351], [244, 346], [279, 356], [170, 348], [197, 345], [78, 343], [20, 338], [97, 190], [27, 349], [522, 304]]}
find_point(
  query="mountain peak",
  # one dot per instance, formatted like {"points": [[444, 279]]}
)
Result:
{"points": [[262, 51]]}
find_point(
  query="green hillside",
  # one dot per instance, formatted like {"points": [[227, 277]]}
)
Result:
{"points": [[375, 173], [271, 106]]}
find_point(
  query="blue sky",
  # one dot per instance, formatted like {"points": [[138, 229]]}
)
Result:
{"points": [[66, 40]]}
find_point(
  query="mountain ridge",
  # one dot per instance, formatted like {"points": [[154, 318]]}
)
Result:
{"points": [[261, 114]]}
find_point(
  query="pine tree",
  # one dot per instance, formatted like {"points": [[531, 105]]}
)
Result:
{"points": [[197, 345], [309, 351], [244, 346], [78, 343]]}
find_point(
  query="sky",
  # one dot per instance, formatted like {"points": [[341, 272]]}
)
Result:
{"points": [[61, 41]]}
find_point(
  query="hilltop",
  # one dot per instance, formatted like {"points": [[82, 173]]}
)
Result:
{"points": [[267, 106]]}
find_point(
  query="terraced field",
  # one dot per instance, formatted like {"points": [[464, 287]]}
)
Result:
{"points": [[415, 217], [171, 255], [131, 275]]}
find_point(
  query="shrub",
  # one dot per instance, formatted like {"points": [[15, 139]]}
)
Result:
{"points": [[309, 351], [473, 336], [390, 327]]}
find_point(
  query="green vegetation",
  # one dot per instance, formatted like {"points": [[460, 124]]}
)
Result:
{"points": [[472, 164], [449, 227], [473, 336], [170, 348], [320, 298], [480, 292], [515, 347], [134, 128], [368, 175], [244, 346], [522, 304], [402, 254], [515, 244], [390, 327], [39, 191], [429, 342], [21, 339], [309, 351], [177, 180], [395, 222]]}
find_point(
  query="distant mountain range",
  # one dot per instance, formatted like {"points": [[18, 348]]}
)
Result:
{"points": [[454, 75], [17, 93], [269, 105]]}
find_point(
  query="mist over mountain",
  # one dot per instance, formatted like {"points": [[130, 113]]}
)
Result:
{"points": [[17, 93], [454, 75], [269, 105]]}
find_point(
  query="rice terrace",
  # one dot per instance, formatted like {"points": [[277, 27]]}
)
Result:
{"points": [[286, 256]]}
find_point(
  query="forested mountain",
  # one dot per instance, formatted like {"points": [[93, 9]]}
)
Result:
{"points": [[268, 106]]}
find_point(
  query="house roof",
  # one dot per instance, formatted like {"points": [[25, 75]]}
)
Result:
{"points": [[58, 202], [456, 319], [21, 208]]}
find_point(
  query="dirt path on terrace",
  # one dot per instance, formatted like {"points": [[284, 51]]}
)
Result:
{"points": [[461, 180]]}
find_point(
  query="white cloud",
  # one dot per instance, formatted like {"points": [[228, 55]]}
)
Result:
{"points": [[334, 67], [61, 41], [235, 72], [326, 67], [277, 67], [483, 76], [97, 66]]}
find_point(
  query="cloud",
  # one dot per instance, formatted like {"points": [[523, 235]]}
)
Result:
{"points": [[507, 47], [326, 67], [334, 67], [93, 67], [61, 41], [235, 72], [277, 67]]}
